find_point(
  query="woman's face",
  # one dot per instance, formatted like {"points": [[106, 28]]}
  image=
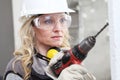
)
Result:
{"points": [[50, 29]]}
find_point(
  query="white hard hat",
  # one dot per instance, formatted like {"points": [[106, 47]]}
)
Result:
{"points": [[32, 7]]}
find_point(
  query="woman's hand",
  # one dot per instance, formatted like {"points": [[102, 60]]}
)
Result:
{"points": [[75, 72]]}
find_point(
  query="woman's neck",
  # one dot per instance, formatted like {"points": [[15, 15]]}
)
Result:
{"points": [[42, 49]]}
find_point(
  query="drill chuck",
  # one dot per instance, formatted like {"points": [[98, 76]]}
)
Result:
{"points": [[80, 51], [87, 44]]}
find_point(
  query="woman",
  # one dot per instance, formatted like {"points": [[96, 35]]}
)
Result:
{"points": [[42, 30]]}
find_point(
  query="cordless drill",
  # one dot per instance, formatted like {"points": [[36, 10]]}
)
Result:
{"points": [[76, 54]]}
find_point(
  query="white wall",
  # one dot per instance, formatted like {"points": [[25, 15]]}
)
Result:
{"points": [[16, 15], [114, 19]]}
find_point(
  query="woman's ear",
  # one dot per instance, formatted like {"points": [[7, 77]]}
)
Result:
{"points": [[34, 31], [34, 28]]}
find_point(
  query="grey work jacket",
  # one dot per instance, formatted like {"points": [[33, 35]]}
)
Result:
{"points": [[37, 73]]}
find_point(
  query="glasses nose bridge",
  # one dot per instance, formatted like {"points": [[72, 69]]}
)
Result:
{"points": [[56, 19], [57, 24]]}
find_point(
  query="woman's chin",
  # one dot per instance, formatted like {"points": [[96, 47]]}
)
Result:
{"points": [[57, 45]]}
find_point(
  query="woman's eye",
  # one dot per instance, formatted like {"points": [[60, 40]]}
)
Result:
{"points": [[63, 20], [48, 21]]}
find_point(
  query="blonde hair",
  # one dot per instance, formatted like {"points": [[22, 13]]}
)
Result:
{"points": [[26, 51]]}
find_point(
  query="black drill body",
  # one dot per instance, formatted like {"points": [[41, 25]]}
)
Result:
{"points": [[76, 54]]}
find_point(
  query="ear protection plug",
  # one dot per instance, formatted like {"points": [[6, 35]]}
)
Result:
{"points": [[52, 52]]}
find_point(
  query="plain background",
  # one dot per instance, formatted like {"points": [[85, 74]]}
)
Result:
{"points": [[6, 34]]}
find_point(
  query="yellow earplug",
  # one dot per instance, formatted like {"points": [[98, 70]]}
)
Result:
{"points": [[52, 52]]}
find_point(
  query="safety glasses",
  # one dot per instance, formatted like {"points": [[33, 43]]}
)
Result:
{"points": [[49, 21]]}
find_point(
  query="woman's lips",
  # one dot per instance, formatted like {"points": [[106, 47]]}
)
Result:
{"points": [[56, 37]]}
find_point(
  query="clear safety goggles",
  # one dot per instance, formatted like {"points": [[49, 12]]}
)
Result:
{"points": [[52, 20]]}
